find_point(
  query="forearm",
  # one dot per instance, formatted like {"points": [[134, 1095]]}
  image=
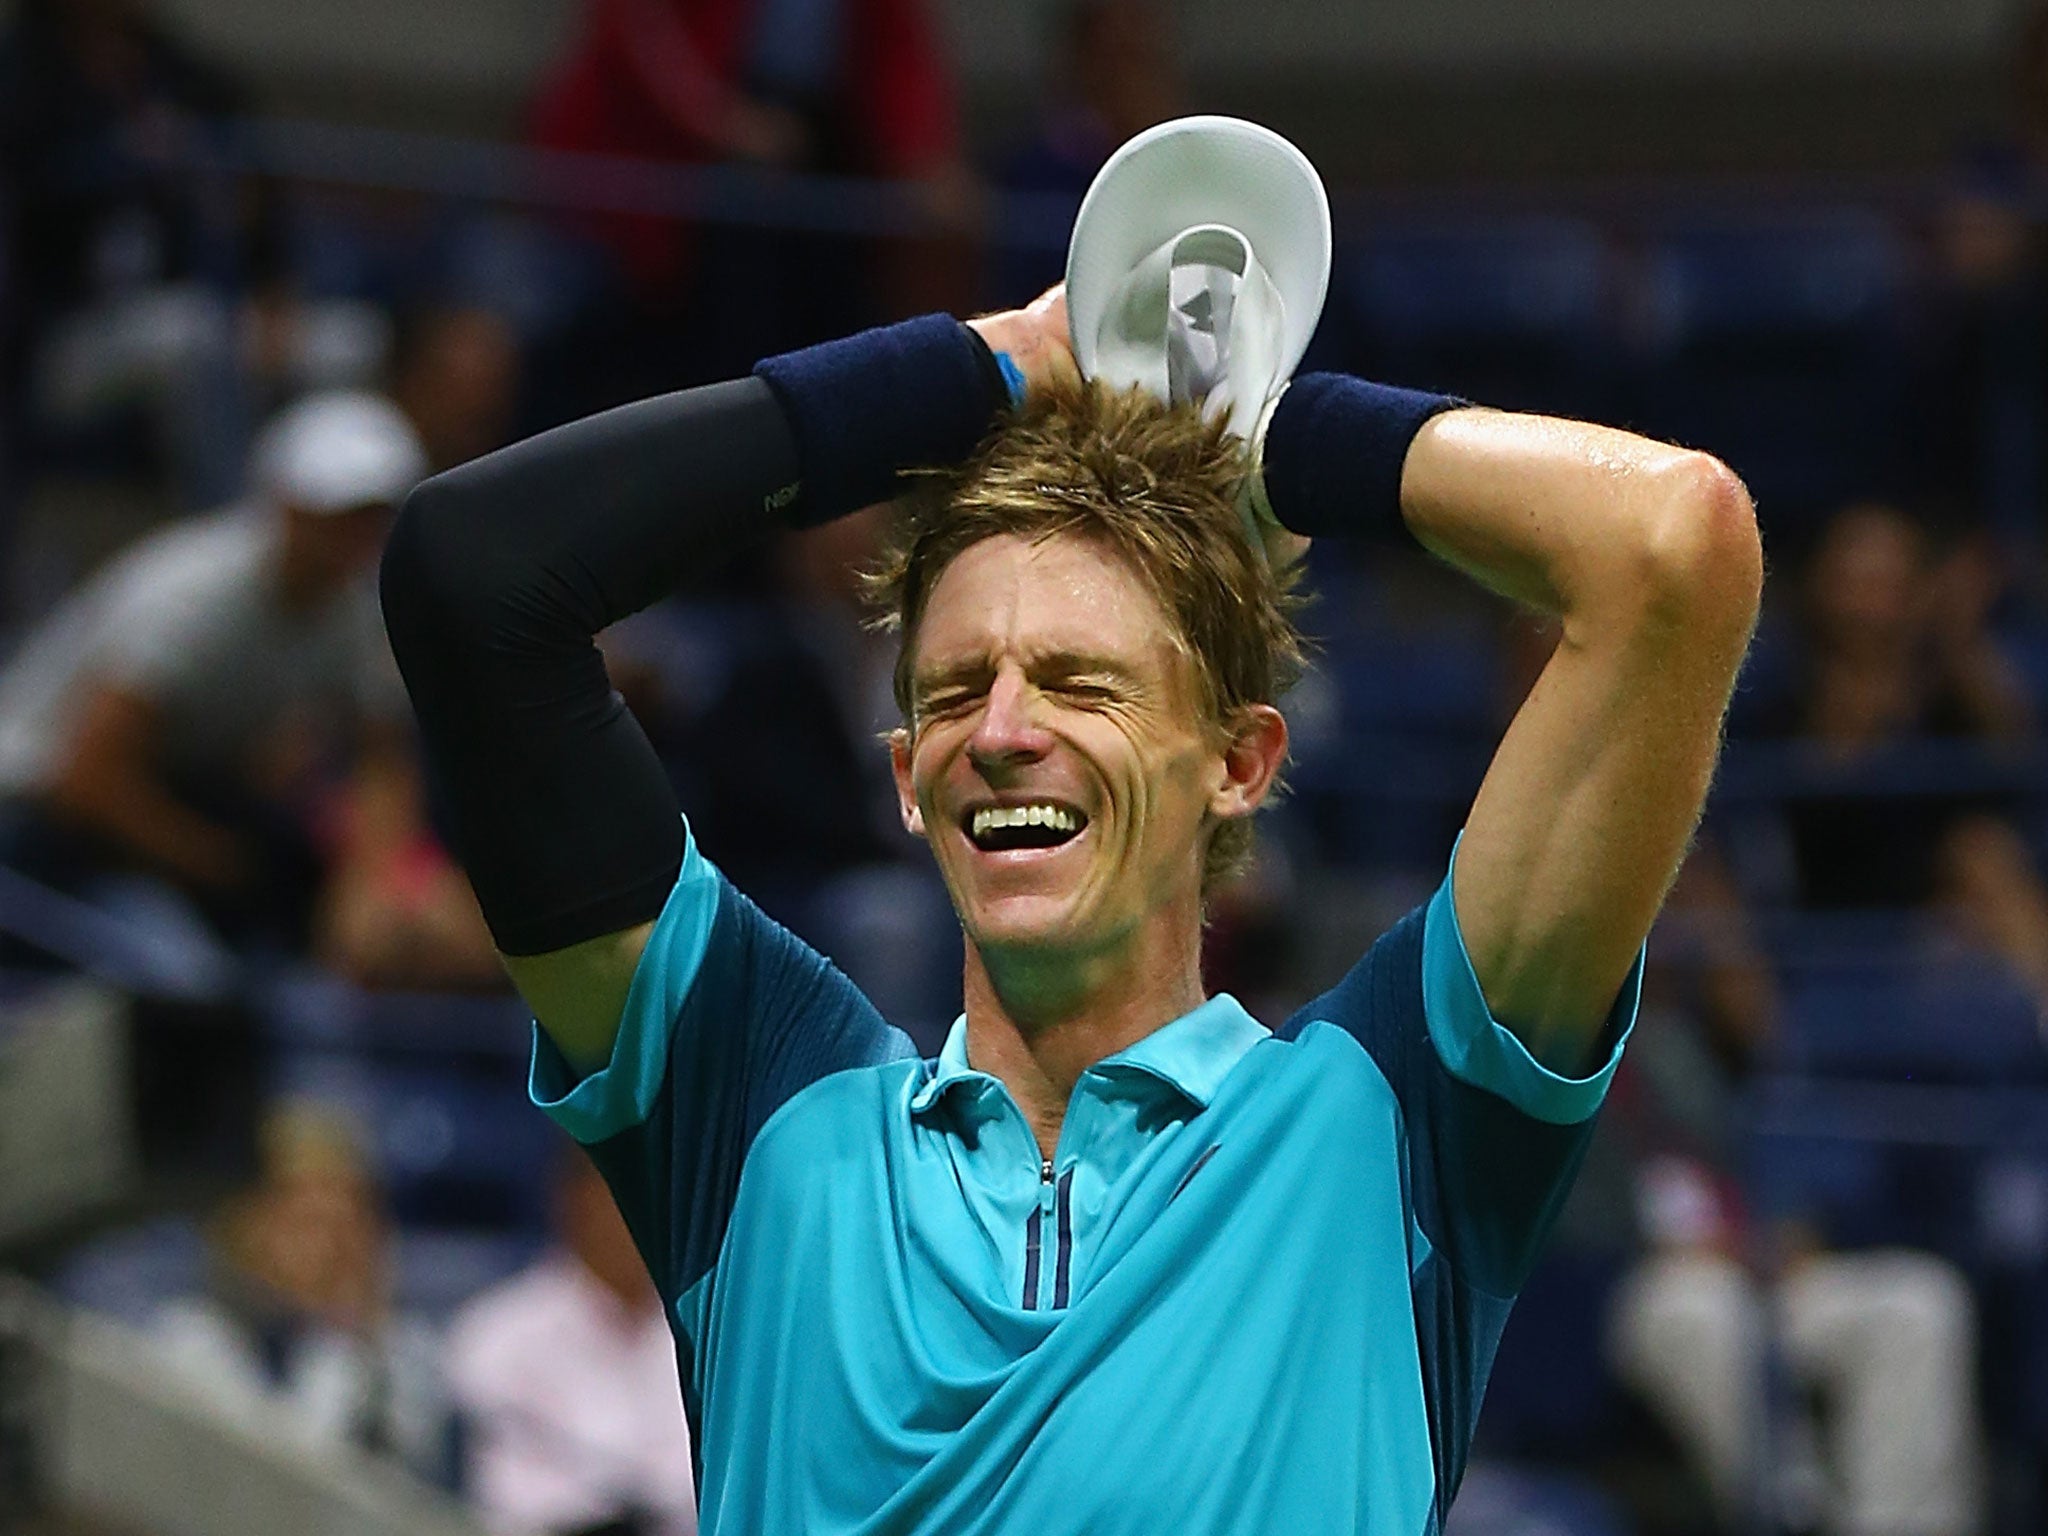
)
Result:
{"points": [[1649, 556], [499, 574], [1596, 526], [1576, 520]]}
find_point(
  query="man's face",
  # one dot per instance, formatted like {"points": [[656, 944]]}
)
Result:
{"points": [[1058, 759], [323, 553]]}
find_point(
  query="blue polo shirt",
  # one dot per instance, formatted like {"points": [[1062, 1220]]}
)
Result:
{"points": [[1257, 1288]]}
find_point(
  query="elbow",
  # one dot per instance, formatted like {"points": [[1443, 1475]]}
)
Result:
{"points": [[429, 574], [1701, 561]]}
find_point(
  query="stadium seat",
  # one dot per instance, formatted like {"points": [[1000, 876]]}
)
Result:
{"points": [[311, 1010], [1510, 312], [1909, 1015], [131, 1273], [453, 1147], [1500, 1499], [1778, 343], [1550, 1396], [1844, 1189]]}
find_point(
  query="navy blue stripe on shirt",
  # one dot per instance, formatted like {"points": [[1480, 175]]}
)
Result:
{"points": [[1484, 1180], [1032, 1230], [763, 1017], [1066, 1208]]}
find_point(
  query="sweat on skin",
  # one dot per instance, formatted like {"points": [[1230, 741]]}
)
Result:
{"points": [[1119, 1257], [1045, 672]]}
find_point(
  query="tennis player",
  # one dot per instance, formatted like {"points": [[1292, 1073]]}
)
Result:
{"points": [[1122, 1258]]}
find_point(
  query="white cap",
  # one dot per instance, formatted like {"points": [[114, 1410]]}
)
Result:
{"points": [[336, 450], [1198, 266]]}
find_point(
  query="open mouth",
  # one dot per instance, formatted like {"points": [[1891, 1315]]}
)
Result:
{"points": [[1036, 824]]}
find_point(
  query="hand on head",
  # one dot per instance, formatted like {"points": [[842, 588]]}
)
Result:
{"points": [[1035, 337]]}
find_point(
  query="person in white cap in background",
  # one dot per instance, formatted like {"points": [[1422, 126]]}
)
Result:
{"points": [[160, 720], [1121, 1257]]}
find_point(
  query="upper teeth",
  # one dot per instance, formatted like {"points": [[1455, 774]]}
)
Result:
{"points": [[1057, 817]]}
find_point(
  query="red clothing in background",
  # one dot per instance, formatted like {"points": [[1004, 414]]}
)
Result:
{"points": [[658, 80]]}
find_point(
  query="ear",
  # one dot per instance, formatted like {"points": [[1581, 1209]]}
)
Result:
{"points": [[1251, 761], [906, 795]]}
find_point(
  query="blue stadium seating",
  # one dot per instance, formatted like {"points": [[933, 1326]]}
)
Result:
{"points": [[1778, 342], [129, 1274], [1499, 1499], [1908, 1014], [1509, 312], [437, 1084], [309, 1010], [1843, 1188]]}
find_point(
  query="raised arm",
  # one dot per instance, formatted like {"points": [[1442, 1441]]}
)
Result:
{"points": [[1649, 557], [500, 573]]}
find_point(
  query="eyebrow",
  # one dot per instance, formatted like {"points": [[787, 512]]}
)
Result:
{"points": [[1053, 664]]}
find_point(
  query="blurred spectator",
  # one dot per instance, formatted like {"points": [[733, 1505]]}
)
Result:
{"points": [[787, 784], [129, 239], [1110, 74], [296, 1324], [846, 87], [149, 271], [170, 717], [1981, 408], [455, 372], [1883, 1339], [394, 911], [1897, 650], [808, 694], [1991, 232], [565, 1379]]}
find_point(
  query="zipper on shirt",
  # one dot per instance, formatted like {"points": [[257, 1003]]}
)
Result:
{"points": [[1034, 1235], [1055, 1204]]}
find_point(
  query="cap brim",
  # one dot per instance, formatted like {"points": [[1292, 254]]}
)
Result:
{"points": [[1202, 170]]}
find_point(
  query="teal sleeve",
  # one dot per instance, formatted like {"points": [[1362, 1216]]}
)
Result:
{"points": [[1490, 1138], [623, 1092], [1479, 1050], [729, 1017]]}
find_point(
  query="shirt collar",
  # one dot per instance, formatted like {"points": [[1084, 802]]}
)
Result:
{"points": [[1192, 1055], [950, 1068], [1195, 1052]]}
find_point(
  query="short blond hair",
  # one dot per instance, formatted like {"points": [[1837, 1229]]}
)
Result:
{"points": [[1156, 485]]}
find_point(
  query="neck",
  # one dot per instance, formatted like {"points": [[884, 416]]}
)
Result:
{"points": [[1038, 1017]]}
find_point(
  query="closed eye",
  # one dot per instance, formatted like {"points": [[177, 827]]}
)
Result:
{"points": [[1085, 693], [946, 705]]}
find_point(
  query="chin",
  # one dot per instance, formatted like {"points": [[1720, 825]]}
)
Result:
{"points": [[1024, 921]]}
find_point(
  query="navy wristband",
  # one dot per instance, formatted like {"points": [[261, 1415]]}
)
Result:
{"points": [[1334, 451], [866, 408]]}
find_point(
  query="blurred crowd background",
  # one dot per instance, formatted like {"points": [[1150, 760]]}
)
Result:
{"points": [[283, 1244]]}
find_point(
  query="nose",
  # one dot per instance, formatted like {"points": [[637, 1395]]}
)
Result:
{"points": [[1009, 731]]}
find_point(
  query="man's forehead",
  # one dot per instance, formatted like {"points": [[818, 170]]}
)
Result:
{"points": [[1058, 596]]}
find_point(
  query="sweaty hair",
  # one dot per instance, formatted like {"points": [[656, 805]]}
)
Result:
{"points": [[1158, 487]]}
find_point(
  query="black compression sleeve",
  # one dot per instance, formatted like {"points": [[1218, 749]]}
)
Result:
{"points": [[498, 575]]}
